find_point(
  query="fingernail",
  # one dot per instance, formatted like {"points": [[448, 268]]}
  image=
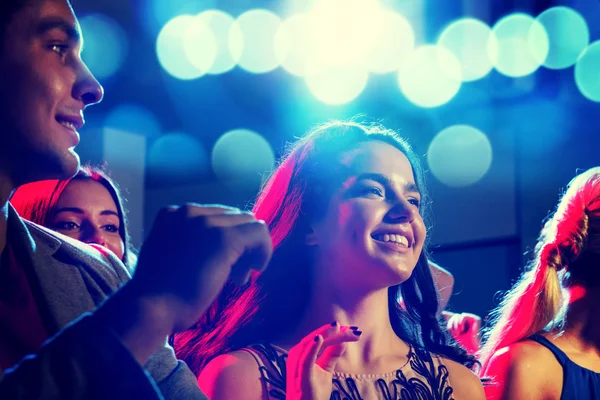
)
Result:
{"points": [[357, 333], [334, 323], [354, 328], [317, 338]]}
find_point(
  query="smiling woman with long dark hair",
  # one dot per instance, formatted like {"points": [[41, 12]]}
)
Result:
{"points": [[345, 210]]}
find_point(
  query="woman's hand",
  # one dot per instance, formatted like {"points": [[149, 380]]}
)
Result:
{"points": [[464, 328], [310, 364]]}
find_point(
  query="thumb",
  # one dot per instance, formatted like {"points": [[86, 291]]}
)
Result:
{"points": [[330, 356]]}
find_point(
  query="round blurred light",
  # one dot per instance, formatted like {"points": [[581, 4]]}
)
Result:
{"points": [[568, 35], [468, 39], [133, 118], [521, 45], [154, 14], [336, 36], [586, 72], [200, 45], [171, 51], [430, 76], [459, 155], [254, 49], [293, 46], [338, 85], [105, 44], [242, 156], [222, 28], [176, 156], [394, 42]]}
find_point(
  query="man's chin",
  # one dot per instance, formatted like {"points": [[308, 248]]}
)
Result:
{"points": [[59, 166]]}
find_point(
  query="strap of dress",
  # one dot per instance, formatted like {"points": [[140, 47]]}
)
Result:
{"points": [[558, 353]]}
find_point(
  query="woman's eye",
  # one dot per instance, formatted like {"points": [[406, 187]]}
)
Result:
{"points": [[415, 202], [111, 228], [67, 226], [373, 190]]}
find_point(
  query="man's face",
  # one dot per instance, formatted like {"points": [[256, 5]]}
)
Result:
{"points": [[44, 88]]}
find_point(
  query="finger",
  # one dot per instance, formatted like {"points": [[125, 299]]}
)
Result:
{"points": [[325, 331], [228, 218], [309, 357], [330, 356], [334, 347], [257, 247], [341, 337]]}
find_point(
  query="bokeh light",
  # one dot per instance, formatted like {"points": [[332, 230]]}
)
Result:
{"points": [[468, 39], [459, 155], [587, 76], [338, 85], [133, 118], [254, 49], [430, 76], [222, 28], [293, 46], [395, 40], [177, 157], [154, 14], [200, 45], [105, 44], [171, 49], [568, 35], [242, 157], [521, 45], [342, 32]]}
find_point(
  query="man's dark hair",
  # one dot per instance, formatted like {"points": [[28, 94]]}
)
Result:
{"points": [[8, 8]]}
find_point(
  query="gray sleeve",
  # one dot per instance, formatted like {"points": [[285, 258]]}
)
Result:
{"points": [[175, 380]]}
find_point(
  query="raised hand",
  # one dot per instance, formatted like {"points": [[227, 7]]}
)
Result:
{"points": [[191, 252], [464, 328], [311, 363]]}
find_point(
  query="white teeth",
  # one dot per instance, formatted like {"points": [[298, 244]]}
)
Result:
{"points": [[392, 237], [68, 124]]}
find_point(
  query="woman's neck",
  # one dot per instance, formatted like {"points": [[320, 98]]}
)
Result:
{"points": [[582, 327], [368, 311]]}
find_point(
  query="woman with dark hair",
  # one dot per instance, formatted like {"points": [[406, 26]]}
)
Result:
{"points": [[87, 207], [345, 212], [544, 342]]}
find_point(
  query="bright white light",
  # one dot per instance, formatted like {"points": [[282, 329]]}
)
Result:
{"points": [[568, 35], [586, 72], [222, 28], [242, 156], [343, 32], [254, 49], [171, 51], [293, 46], [394, 42], [200, 45], [521, 45], [105, 44], [338, 85], [468, 39], [430, 76], [459, 155]]}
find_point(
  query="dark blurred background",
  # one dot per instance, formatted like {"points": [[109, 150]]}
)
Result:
{"points": [[498, 97]]}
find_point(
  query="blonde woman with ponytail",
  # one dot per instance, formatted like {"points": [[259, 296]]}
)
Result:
{"points": [[545, 339]]}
